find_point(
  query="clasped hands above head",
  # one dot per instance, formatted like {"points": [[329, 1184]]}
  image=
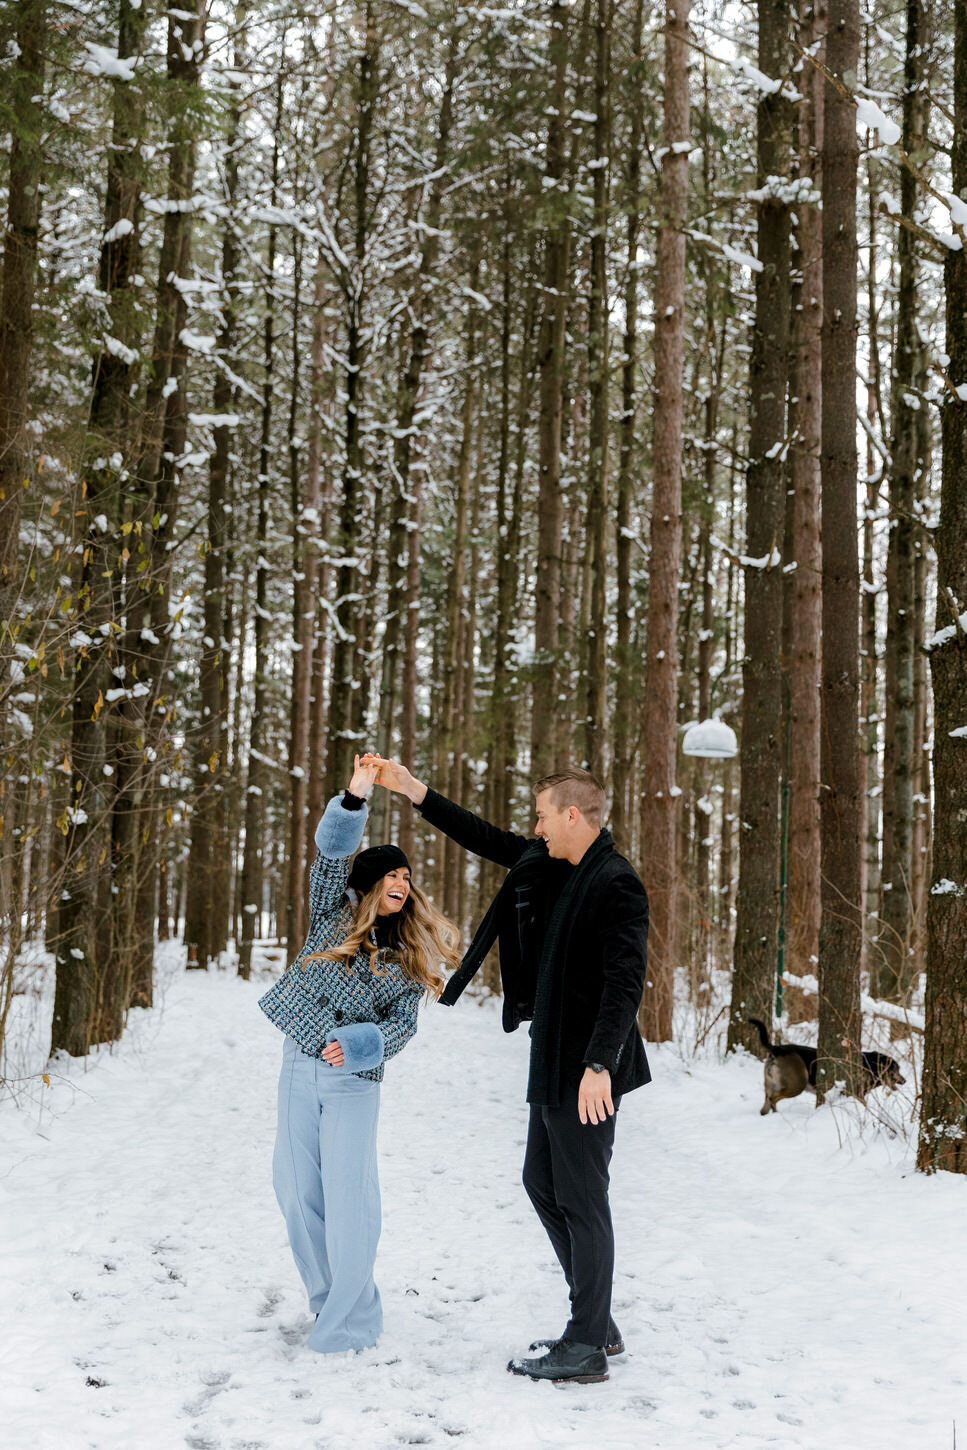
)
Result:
{"points": [[393, 776]]}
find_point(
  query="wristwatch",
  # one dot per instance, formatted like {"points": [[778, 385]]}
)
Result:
{"points": [[597, 1067]]}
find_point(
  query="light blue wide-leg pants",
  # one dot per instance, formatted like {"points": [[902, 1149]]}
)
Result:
{"points": [[325, 1177]]}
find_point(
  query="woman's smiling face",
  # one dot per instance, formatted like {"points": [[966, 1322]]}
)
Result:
{"points": [[396, 888]]}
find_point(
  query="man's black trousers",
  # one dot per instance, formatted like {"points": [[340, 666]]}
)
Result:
{"points": [[566, 1178]]}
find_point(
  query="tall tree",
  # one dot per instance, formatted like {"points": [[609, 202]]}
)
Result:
{"points": [[659, 723], [86, 946], [551, 361], [761, 758], [891, 970], [25, 92], [408, 397], [345, 697], [943, 1118], [595, 731], [626, 674], [841, 936], [802, 622], [206, 908], [253, 864]]}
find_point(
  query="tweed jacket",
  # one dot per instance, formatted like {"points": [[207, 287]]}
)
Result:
{"points": [[310, 1005]]}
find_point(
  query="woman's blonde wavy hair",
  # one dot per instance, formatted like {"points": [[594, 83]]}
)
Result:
{"points": [[424, 937]]}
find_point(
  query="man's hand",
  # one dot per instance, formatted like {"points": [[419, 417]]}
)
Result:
{"points": [[332, 1052], [396, 777], [594, 1097]]}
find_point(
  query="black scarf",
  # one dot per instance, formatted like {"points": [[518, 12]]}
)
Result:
{"points": [[544, 1081], [527, 866], [545, 1070]]}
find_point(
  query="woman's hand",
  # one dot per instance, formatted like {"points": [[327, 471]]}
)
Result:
{"points": [[397, 778], [332, 1052], [365, 776]]}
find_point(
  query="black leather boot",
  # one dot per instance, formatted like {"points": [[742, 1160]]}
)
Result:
{"points": [[615, 1344], [566, 1362]]}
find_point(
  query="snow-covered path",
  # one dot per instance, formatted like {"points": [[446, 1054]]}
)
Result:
{"points": [[773, 1289]]}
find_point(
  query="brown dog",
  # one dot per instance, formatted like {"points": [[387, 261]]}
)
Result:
{"points": [[791, 1067]]}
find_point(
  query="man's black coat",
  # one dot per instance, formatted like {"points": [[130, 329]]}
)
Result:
{"points": [[604, 959]]}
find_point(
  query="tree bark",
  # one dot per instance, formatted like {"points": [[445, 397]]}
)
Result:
{"points": [[25, 85], [841, 936], [659, 725], [344, 724], [761, 753], [397, 622], [891, 974], [627, 679], [87, 951], [455, 652], [551, 361], [803, 590], [253, 864], [595, 731], [206, 905], [943, 1117]]}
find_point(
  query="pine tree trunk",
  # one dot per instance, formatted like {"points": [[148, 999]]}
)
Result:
{"points": [[659, 725], [344, 709], [397, 622], [305, 560], [551, 361], [321, 405], [761, 741], [456, 642], [139, 729], [596, 731], [86, 951], [626, 663], [509, 570], [943, 1115], [869, 729], [24, 86], [206, 905], [253, 862], [892, 976], [841, 936], [803, 590], [411, 681]]}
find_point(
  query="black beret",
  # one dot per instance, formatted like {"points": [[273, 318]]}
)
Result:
{"points": [[372, 865]]}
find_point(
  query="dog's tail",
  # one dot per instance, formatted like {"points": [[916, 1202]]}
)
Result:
{"points": [[763, 1034]]}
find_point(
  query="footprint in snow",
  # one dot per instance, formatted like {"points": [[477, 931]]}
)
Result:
{"points": [[295, 1333], [215, 1382]]}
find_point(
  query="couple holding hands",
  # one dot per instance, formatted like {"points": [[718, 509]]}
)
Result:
{"points": [[571, 922]]}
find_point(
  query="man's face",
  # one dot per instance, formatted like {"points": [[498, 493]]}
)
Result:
{"points": [[553, 824]]}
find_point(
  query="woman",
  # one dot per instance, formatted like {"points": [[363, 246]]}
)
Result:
{"points": [[346, 1004]]}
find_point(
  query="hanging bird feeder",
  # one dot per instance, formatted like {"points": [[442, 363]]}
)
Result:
{"points": [[710, 739]]}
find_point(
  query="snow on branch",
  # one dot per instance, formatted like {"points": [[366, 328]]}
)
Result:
{"points": [[869, 116], [101, 61], [944, 636]]}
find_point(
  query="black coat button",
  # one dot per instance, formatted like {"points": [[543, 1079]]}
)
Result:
{"points": [[338, 1015], [323, 1000]]}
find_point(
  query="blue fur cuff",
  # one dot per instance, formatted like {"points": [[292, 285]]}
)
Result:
{"points": [[339, 832], [362, 1045]]}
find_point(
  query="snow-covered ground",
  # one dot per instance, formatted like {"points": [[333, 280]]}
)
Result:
{"points": [[776, 1287]]}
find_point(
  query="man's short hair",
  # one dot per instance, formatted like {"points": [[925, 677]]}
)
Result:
{"points": [[575, 787]]}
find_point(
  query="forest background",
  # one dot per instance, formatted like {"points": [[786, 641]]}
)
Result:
{"points": [[498, 388]]}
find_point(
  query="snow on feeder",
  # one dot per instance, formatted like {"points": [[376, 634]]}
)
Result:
{"points": [[711, 739]]}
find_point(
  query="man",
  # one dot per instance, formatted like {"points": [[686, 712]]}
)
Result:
{"points": [[571, 919]]}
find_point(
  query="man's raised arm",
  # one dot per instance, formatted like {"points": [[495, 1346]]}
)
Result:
{"points": [[470, 831]]}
